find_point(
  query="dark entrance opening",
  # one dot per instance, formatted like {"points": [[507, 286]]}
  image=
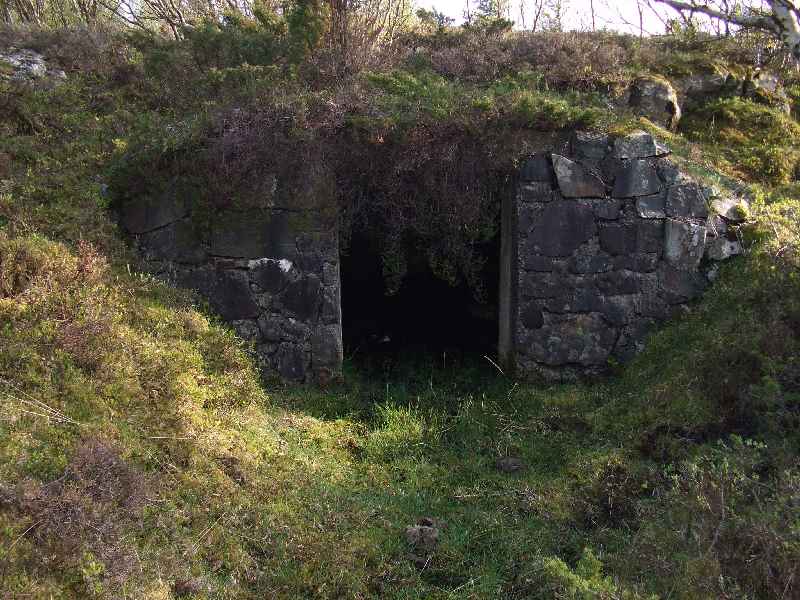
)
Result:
{"points": [[427, 319]]}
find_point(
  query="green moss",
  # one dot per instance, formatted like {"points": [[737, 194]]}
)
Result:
{"points": [[758, 141]]}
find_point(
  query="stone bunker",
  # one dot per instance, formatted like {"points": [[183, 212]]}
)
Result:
{"points": [[603, 238]]}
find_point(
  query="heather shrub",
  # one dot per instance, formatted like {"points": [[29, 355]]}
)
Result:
{"points": [[77, 520]]}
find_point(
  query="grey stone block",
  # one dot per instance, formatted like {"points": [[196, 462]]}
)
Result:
{"points": [[651, 207], [686, 200], [538, 168], [575, 181], [562, 227], [590, 145], [684, 244], [637, 178], [638, 144]]}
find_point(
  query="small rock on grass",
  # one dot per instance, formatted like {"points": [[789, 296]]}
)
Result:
{"points": [[423, 538], [187, 587], [509, 464], [424, 535]]}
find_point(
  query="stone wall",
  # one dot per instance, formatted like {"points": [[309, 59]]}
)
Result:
{"points": [[611, 238], [269, 267], [602, 240]]}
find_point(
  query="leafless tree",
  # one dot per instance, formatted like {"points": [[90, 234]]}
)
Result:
{"points": [[358, 29], [543, 14], [538, 10], [31, 12], [640, 8]]}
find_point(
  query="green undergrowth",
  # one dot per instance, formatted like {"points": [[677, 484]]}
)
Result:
{"points": [[142, 457], [234, 491], [756, 141], [520, 100]]}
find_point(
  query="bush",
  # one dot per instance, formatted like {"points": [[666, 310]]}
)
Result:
{"points": [[585, 582]]}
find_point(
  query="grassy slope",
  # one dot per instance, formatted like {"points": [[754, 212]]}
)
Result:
{"points": [[157, 465]]}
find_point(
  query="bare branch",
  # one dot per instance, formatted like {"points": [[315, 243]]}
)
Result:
{"points": [[759, 22]]}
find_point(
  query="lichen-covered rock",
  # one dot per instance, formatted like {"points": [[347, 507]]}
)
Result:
{"points": [[538, 168], [723, 249], [271, 273], [677, 285], [700, 86], [29, 66], [607, 209], [684, 244], [591, 284], [686, 200], [766, 88], [638, 144], [583, 339], [651, 207], [655, 99], [732, 209], [590, 145], [629, 238]]}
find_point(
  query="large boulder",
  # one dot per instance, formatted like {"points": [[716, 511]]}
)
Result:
{"points": [[655, 99], [699, 87]]}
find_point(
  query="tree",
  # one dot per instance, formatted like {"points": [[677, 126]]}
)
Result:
{"points": [[780, 18], [497, 9], [433, 19]]}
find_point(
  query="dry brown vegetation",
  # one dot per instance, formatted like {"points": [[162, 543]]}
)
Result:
{"points": [[84, 512]]}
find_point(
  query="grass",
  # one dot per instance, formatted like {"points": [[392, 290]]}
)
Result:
{"points": [[141, 456]]}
